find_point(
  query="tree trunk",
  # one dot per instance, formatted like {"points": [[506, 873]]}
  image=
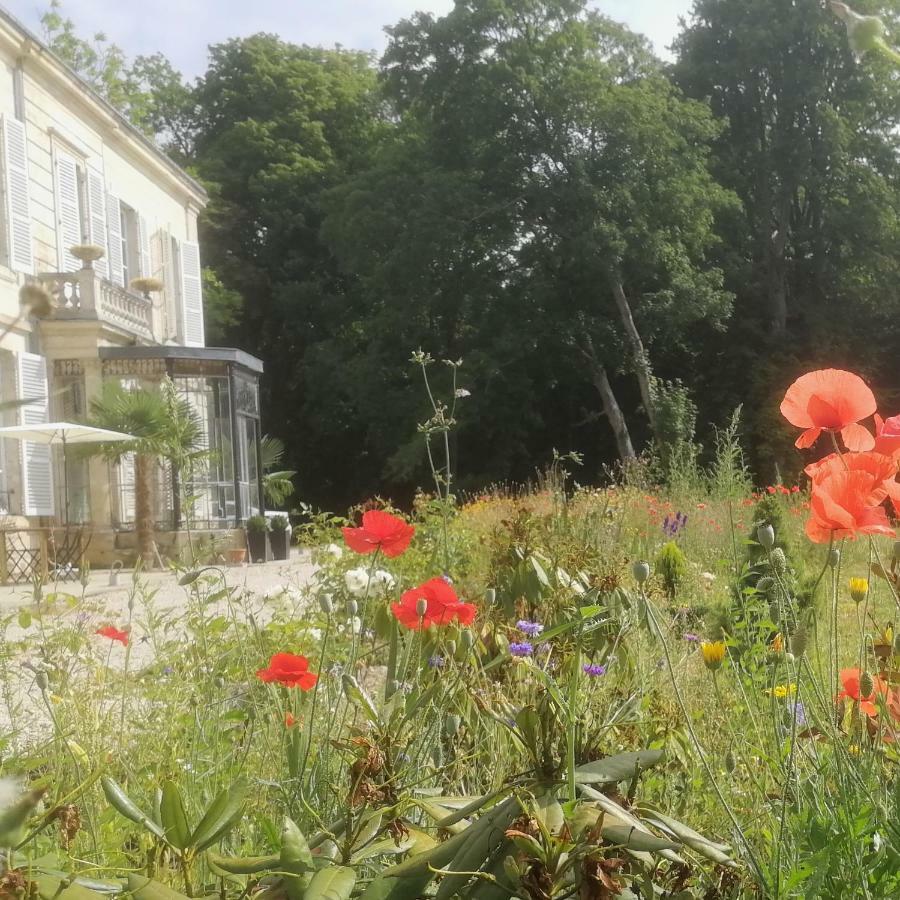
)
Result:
{"points": [[638, 354], [143, 506], [776, 266], [613, 412]]}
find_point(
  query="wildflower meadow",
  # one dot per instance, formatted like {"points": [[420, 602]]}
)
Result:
{"points": [[639, 690]]}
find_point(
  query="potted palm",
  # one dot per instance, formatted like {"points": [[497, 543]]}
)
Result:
{"points": [[257, 532], [280, 537]]}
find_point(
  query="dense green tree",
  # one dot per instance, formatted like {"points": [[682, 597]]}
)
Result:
{"points": [[810, 146], [548, 171]]}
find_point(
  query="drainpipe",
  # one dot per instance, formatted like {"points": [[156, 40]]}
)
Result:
{"points": [[235, 453]]}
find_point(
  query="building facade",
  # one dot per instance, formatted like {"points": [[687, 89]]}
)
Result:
{"points": [[73, 171]]}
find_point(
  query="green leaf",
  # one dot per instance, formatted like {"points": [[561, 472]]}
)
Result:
{"points": [[24, 618], [484, 836], [242, 865], [125, 806], [616, 768], [384, 847], [631, 838], [359, 698], [142, 888], [14, 817], [719, 853], [295, 853], [549, 813], [174, 820], [221, 815], [51, 887], [333, 883]]}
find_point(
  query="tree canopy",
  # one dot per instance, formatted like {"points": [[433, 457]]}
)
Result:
{"points": [[621, 250]]}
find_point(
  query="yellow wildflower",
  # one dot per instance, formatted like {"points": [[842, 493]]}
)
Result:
{"points": [[859, 589], [778, 643], [887, 636], [853, 749], [783, 690], [713, 654]]}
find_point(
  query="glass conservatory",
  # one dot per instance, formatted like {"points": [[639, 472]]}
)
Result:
{"points": [[224, 487]]}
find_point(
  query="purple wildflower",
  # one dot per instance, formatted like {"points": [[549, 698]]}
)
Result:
{"points": [[436, 662], [672, 525], [595, 670], [799, 713], [692, 638], [167, 670], [532, 629], [522, 649], [447, 578]]}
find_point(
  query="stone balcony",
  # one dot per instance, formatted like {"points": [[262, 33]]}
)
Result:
{"points": [[85, 295]]}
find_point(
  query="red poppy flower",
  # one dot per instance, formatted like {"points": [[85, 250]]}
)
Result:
{"points": [[443, 606], [380, 531], [109, 631], [887, 436], [289, 670], [882, 468], [289, 720], [830, 400], [850, 681], [845, 503]]}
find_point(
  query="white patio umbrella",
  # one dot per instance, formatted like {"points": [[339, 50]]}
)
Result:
{"points": [[61, 434]]}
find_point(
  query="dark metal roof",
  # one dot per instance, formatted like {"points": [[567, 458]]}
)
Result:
{"points": [[168, 351]]}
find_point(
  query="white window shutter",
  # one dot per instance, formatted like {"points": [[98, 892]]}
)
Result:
{"points": [[144, 248], [191, 295], [68, 211], [114, 240], [18, 212], [37, 471], [96, 203]]}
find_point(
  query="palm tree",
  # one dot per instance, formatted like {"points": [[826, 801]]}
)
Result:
{"points": [[277, 485], [164, 426]]}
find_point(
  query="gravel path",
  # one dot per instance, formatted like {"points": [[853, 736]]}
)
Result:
{"points": [[264, 590]]}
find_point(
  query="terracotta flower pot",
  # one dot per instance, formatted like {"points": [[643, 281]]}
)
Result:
{"points": [[237, 556]]}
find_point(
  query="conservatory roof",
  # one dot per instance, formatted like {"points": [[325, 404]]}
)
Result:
{"points": [[211, 354]]}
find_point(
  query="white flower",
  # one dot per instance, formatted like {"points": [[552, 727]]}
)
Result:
{"points": [[315, 634], [462, 393], [334, 550], [708, 577], [357, 582], [355, 624]]}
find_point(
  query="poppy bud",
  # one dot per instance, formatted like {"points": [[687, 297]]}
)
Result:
{"points": [[778, 560], [467, 639], [789, 658], [219, 681], [451, 648], [730, 762], [765, 584], [40, 679], [834, 558], [325, 604], [490, 596], [799, 641], [421, 607], [765, 534], [189, 577], [451, 725], [352, 607], [866, 685], [641, 571]]}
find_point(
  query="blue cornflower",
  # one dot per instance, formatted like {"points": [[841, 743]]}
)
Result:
{"points": [[595, 670], [436, 662], [532, 629], [521, 649]]}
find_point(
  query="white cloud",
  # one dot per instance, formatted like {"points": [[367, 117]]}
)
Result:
{"points": [[182, 29]]}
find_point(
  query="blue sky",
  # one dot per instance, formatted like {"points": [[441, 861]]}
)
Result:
{"points": [[182, 29]]}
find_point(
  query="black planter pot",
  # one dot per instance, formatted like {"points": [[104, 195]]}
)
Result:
{"points": [[280, 543], [257, 542]]}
